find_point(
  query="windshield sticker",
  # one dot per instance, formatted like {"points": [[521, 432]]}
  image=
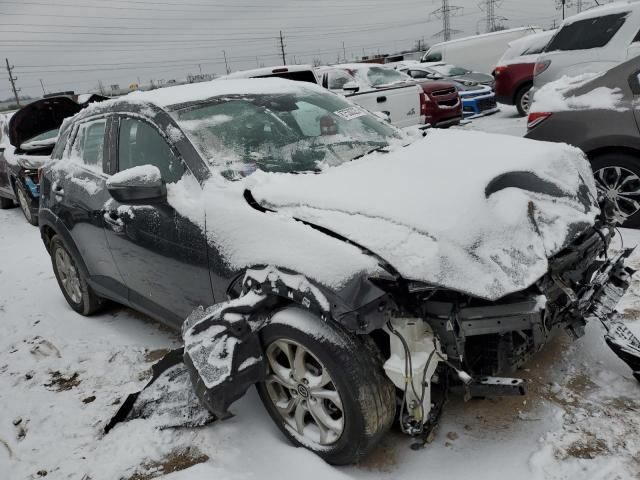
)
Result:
{"points": [[351, 112]]}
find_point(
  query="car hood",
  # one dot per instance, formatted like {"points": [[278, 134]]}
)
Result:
{"points": [[468, 211], [42, 116]]}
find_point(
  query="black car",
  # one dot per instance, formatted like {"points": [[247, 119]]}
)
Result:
{"points": [[27, 138], [317, 236]]}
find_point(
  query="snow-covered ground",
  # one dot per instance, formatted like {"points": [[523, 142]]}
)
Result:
{"points": [[62, 376]]}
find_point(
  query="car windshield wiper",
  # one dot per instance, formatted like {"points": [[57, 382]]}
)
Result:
{"points": [[377, 149]]}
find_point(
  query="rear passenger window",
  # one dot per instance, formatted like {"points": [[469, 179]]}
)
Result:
{"points": [[88, 146], [433, 57], [586, 34], [636, 38], [141, 144]]}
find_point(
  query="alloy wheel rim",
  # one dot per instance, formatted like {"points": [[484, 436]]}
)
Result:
{"points": [[525, 102], [24, 205], [621, 186], [303, 393], [68, 275]]}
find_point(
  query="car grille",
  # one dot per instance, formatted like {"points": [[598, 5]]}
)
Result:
{"points": [[487, 104], [442, 93], [448, 103]]}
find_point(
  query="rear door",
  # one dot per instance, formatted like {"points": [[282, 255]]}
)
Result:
{"points": [[5, 149], [78, 197], [161, 255]]}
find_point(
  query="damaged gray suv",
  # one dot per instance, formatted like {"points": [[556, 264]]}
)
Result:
{"points": [[354, 273]]}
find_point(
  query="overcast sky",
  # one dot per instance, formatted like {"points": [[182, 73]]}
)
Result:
{"points": [[71, 44]]}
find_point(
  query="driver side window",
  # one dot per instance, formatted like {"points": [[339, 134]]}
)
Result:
{"points": [[418, 73], [336, 79], [139, 143]]}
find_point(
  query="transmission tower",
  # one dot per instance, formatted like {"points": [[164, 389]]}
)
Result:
{"points": [[445, 12], [494, 22]]}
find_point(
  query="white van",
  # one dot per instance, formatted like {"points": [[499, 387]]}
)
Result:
{"points": [[479, 53], [590, 42]]}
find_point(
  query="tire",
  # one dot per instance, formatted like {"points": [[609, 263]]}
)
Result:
{"points": [[78, 294], [354, 367], [23, 202], [523, 100], [6, 203], [605, 169]]}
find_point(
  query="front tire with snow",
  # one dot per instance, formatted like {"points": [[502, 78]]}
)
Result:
{"points": [[325, 388]]}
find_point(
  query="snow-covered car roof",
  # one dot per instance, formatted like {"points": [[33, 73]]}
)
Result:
{"points": [[193, 92]]}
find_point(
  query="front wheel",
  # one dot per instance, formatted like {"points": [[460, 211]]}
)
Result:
{"points": [[617, 177], [25, 204], [325, 389]]}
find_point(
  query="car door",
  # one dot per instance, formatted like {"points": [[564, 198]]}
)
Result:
{"points": [[161, 255], [78, 196], [5, 149]]}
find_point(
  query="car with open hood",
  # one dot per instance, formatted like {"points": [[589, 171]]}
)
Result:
{"points": [[343, 267], [27, 138]]}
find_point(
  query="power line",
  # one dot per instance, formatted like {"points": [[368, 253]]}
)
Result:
{"points": [[493, 21], [13, 79], [445, 12]]}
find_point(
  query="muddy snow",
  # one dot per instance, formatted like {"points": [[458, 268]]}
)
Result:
{"points": [[62, 376]]}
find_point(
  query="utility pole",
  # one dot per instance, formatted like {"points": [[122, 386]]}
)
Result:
{"points": [[13, 79], [579, 5], [284, 58], [445, 12], [344, 53], [493, 22], [42, 85], [226, 65]]}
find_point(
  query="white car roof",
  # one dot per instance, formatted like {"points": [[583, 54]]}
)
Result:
{"points": [[490, 34]]}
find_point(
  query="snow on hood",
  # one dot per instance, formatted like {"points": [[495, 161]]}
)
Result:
{"points": [[442, 210], [557, 96]]}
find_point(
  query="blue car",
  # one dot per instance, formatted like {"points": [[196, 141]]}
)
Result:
{"points": [[478, 102]]}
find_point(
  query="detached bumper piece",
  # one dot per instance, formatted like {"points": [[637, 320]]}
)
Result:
{"points": [[168, 398], [609, 285], [497, 387]]}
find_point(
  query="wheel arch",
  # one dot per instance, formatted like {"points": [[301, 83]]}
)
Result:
{"points": [[520, 87], [599, 151]]}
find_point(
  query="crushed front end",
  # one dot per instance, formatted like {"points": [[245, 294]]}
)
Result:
{"points": [[482, 341]]}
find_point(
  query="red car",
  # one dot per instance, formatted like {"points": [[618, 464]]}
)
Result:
{"points": [[514, 72], [440, 104]]}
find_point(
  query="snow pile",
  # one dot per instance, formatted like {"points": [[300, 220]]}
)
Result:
{"points": [[424, 208], [142, 174], [556, 96]]}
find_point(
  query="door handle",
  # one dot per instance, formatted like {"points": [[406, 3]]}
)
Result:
{"points": [[381, 99], [113, 221]]}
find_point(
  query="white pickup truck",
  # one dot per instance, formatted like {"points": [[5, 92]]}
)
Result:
{"points": [[369, 85], [378, 89]]}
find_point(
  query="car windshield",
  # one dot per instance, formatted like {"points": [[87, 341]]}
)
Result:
{"points": [[297, 132], [383, 76], [450, 70]]}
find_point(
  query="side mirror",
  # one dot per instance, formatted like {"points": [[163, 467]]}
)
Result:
{"points": [[351, 87], [141, 184], [385, 116]]}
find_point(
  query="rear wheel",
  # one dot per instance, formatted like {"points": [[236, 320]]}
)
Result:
{"points": [[617, 176], [523, 100], [325, 389], [72, 280], [25, 204]]}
